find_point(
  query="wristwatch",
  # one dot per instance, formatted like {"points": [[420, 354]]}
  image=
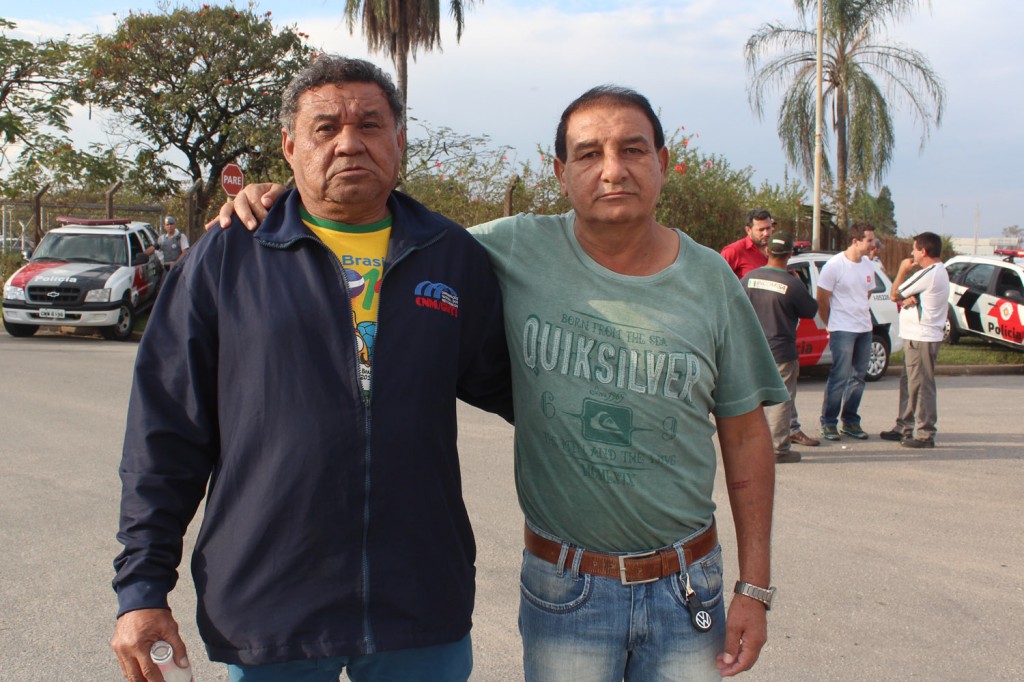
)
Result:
{"points": [[765, 596]]}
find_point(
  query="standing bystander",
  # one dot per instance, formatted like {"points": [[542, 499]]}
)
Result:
{"points": [[780, 300], [172, 244], [844, 295], [748, 253], [922, 287]]}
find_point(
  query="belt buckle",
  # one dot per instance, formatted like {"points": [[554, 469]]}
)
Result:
{"points": [[623, 558]]}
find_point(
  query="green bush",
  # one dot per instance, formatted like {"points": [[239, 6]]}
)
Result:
{"points": [[9, 263]]}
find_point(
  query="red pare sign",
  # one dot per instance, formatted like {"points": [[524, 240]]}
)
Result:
{"points": [[232, 179]]}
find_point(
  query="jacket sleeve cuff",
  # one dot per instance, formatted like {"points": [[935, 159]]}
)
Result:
{"points": [[141, 594]]}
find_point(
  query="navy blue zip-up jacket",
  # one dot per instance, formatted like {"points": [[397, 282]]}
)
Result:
{"points": [[332, 527]]}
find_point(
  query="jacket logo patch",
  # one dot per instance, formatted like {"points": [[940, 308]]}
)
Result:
{"points": [[438, 296]]}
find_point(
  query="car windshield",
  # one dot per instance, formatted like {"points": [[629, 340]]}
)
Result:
{"points": [[82, 248]]}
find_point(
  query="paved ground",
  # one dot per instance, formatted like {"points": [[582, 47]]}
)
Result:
{"points": [[891, 563]]}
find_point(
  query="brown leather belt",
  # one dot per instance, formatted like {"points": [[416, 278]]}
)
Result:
{"points": [[630, 569]]}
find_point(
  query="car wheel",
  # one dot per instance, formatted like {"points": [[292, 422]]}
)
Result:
{"points": [[20, 330], [951, 333], [122, 329], [879, 362]]}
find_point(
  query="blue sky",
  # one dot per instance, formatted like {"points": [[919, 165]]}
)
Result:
{"points": [[521, 61]]}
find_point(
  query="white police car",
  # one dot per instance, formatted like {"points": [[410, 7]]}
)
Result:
{"points": [[986, 298], [85, 273], [812, 335]]}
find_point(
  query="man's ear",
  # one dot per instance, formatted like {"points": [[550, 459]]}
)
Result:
{"points": [[559, 171], [287, 146]]}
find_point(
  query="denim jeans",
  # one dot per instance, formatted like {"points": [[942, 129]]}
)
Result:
{"points": [[594, 629], [851, 352], [443, 663]]}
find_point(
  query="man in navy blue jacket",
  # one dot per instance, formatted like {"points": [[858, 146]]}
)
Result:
{"points": [[304, 378]]}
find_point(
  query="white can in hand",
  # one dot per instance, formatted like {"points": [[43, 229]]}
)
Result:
{"points": [[162, 654]]}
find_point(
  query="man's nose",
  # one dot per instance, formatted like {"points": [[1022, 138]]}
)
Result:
{"points": [[348, 141], [613, 167]]}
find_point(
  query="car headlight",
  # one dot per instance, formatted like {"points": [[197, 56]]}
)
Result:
{"points": [[97, 296], [13, 293]]}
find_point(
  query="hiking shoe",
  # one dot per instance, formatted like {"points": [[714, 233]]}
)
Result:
{"points": [[919, 443], [830, 433], [853, 431], [787, 457], [893, 435], [801, 438]]}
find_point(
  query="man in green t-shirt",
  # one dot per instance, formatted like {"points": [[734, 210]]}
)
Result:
{"points": [[626, 337]]}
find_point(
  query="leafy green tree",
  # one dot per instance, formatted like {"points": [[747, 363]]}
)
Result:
{"points": [[880, 211], [400, 28], [86, 175], [1015, 232], [862, 75], [33, 77], [703, 195], [204, 83]]}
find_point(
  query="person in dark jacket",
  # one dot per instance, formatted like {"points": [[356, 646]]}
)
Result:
{"points": [[780, 301], [304, 378]]}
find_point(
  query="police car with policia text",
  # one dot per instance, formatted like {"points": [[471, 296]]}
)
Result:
{"points": [[85, 273], [986, 298]]}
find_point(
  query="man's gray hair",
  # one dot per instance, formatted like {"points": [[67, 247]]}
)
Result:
{"points": [[330, 69]]}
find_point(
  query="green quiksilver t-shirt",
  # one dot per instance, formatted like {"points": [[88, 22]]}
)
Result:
{"points": [[615, 378]]}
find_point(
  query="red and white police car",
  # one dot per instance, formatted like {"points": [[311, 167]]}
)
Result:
{"points": [[986, 298], [85, 273], [812, 335]]}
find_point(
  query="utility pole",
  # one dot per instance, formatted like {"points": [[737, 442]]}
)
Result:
{"points": [[816, 224]]}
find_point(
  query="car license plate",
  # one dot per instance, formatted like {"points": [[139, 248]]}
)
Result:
{"points": [[52, 313]]}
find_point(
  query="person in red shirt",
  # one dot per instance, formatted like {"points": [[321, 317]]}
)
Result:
{"points": [[748, 253]]}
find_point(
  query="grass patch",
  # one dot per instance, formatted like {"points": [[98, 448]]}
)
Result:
{"points": [[971, 351]]}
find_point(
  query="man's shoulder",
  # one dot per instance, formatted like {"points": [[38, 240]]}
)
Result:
{"points": [[509, 228], [737, 245]]}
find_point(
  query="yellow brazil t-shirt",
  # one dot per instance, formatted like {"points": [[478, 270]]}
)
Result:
{"points": [[361, 250]]}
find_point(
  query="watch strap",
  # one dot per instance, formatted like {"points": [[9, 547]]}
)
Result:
{"points": [[761, 594]]}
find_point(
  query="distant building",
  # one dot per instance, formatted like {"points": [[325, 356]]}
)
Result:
{"points": [[969, 246]]}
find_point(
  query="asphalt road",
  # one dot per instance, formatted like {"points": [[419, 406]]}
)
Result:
{"points": [[891, 563]]}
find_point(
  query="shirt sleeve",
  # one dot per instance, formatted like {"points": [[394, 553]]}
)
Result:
{"points": [[171, 441], [918, 282]]}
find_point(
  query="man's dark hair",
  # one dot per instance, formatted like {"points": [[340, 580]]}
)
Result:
{"points": [[930, 243], [758, 214], [332, 69], [857, 230], [615, 94]]}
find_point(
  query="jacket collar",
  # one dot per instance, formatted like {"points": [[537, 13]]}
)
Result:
{"points": [[413, 225]]}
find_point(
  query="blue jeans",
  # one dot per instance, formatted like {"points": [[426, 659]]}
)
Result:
{"points": [[851, 352], [594, 629], [443, 663]]}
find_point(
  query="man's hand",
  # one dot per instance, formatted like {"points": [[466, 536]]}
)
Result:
{"points": [[746, 631], [136, 632], [251, 205]]}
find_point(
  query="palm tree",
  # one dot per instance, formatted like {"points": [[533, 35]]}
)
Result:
{"points": [[861, 75], [399, 28]]}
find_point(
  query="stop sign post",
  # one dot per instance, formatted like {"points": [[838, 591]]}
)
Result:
{"points": [[232, 179]]}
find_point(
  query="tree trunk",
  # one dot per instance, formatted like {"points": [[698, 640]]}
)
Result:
{"points": [[842, 153], [401, 59]]}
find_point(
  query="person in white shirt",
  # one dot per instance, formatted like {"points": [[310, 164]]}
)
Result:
{"points": [[844, 291], [922, 286]]}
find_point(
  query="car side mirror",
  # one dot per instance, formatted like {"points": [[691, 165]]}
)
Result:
{"points": [[1015, 296], [139, 258]]}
